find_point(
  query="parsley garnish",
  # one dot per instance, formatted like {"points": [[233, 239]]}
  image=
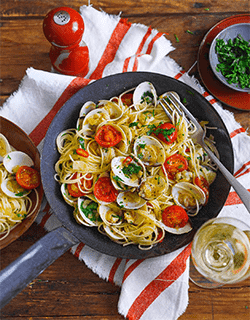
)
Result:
{"points": [[91, 211], [132, 168], [133, 124], [234, 60]]}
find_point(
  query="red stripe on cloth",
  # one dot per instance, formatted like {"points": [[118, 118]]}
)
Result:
{"points": [[232, 199], [243, 173], [139, 50], [125, 65], [205, 94], [212, 101], [110, 51], [131, 269], [237, 131], [244, 167], [114, 269], [178, 75], [79, 249], [151, 44], [172, 272], [40, 130]]}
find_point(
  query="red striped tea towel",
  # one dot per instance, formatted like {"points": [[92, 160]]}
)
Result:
{"points": [[155, 288]]}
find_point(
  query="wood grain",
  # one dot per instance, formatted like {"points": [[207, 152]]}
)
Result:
{"points": [[68, 290]]}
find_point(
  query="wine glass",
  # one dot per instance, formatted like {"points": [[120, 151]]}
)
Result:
{"points": [[220, 253]]}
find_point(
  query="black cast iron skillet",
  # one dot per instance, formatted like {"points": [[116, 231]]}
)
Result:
{"points": [[16, 276]]}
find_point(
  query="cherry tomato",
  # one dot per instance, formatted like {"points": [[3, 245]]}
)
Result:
{"points": [[174, 216], [127, 99], [160, 233], [104, 190], [74, 189], [166, 132], [108, 136], [175, 163], [82, 152], [28, 178], [202, 183]]}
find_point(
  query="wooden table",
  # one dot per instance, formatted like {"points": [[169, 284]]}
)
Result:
{"points": [[68, 289]]}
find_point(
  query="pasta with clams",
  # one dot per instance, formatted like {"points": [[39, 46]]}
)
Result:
{"points": [[125, 165]]}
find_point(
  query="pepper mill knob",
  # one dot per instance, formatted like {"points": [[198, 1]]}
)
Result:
{"points": [[63, 27]]}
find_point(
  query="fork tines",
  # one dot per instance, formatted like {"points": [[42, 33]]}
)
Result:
{"points": [[169, 103]]}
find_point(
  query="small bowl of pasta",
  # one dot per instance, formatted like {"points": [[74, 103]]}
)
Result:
{"points": [[21, 190]]}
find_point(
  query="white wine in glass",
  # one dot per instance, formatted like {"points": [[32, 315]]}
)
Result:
{"points": [[220, 253]]}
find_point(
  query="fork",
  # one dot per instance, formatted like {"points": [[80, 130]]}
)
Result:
{"points": [[170, 102]]}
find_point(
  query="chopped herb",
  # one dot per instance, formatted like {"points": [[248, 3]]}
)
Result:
{"points": [[165, 132], [234, 60], [188, 31], [91, 211], [184, 100], [132, 168], [190, 92], [133, 124], [206, 9], [176, 38], [142, 145]]}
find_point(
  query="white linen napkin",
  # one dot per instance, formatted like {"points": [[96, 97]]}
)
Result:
{"points": [[155, 288]]}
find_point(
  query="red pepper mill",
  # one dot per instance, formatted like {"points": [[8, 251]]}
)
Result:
{"points": [[63, 27]]}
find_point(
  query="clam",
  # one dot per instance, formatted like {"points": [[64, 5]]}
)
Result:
{"points": [[189, 196], [66, 195], [4, 146], [129, 170], [145, 91], [85, 109], [149, 150], [93, 119], [117, 182], [110, 215], [208, 174], [130, 200], [182, 230], [113, 234], [15, 159], [152, 187], [12, 189], [87, 212], [112, 108]]}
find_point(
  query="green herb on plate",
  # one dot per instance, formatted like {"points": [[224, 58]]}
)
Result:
{"points": [[234, 60]]}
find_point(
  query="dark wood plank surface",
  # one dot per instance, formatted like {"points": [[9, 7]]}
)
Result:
{"points": [[58, 293]]}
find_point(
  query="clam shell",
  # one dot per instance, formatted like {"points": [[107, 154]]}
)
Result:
{"points": [[4, 146], [149, 150], [117, 167], [130, 200], [110, 215], [93, 119], [83, 202], [85, 109], [15, 159], [187, 228], [112, 108], [152, 187], [208, 174], [145, 90], [66, 196], [11, 188], [188, 196]]}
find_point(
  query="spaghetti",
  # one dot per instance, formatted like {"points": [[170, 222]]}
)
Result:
{"points": [[135, 164]]}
